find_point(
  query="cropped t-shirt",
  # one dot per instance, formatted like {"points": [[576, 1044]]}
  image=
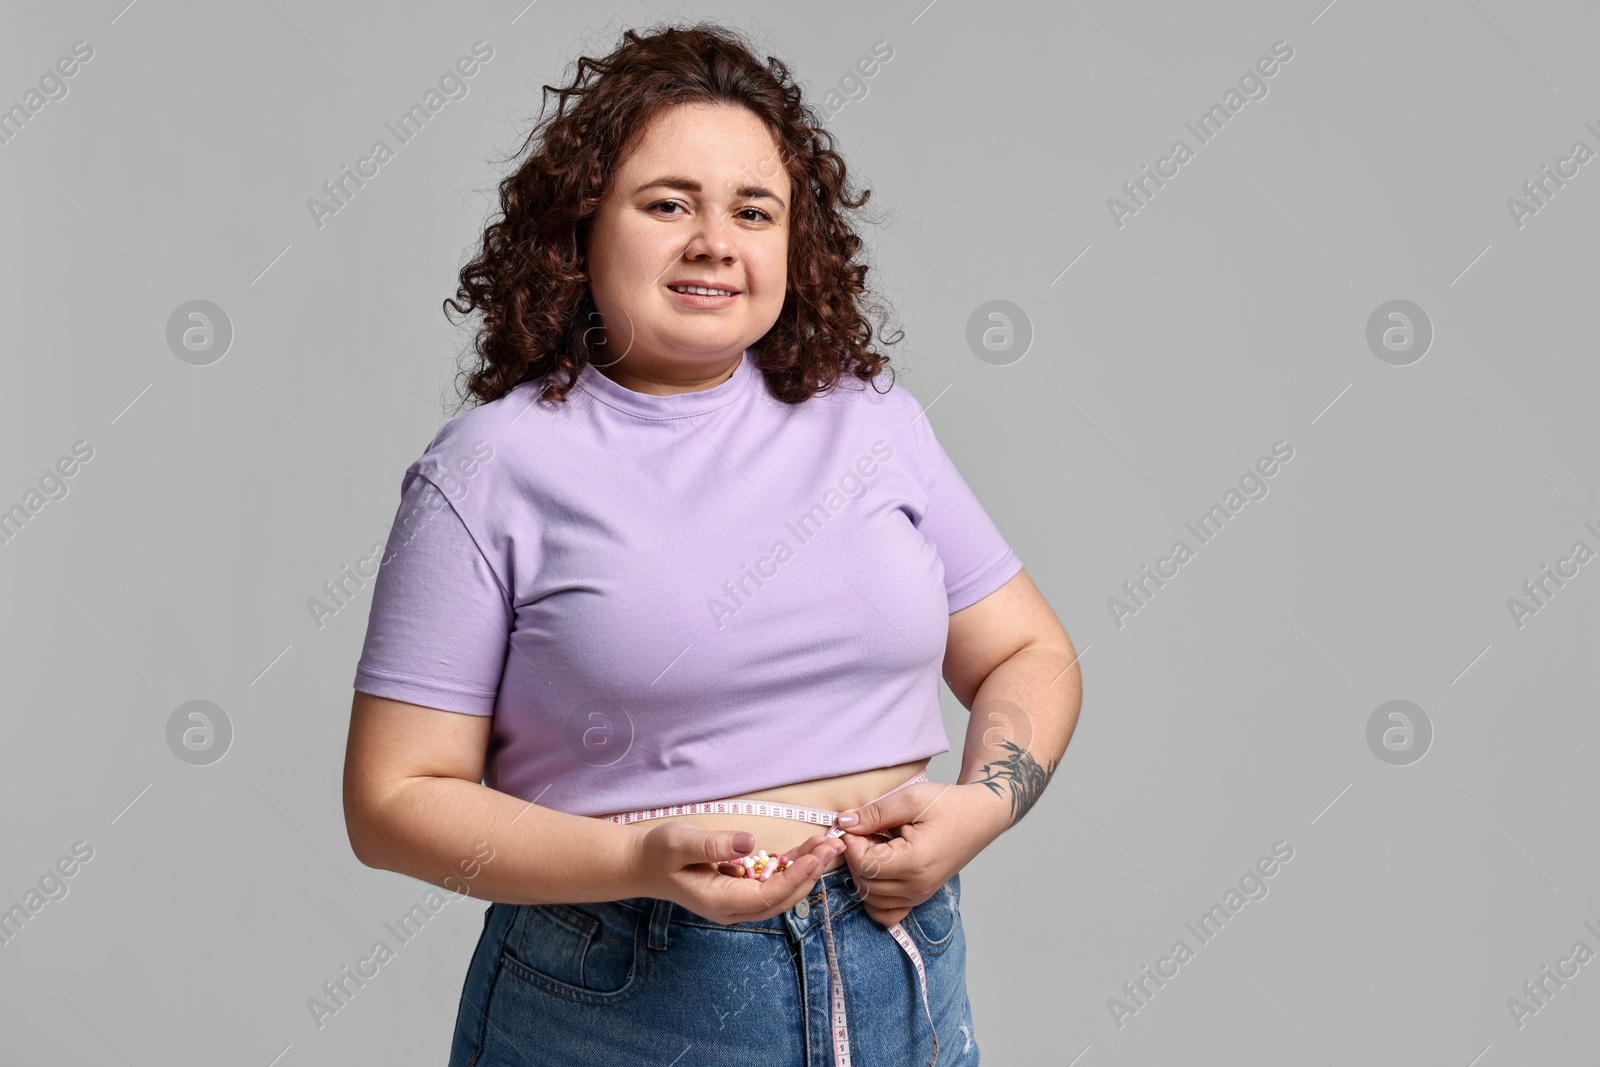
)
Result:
{"points": [[666, 599]]}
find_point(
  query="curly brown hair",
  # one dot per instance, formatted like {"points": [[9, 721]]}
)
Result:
{"points": [[527, 278]]}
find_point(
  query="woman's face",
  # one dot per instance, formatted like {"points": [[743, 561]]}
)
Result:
{"points": [[702, 198]]}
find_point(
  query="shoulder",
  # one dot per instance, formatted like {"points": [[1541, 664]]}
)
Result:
{"points": [[881, 411], [482, 439], [881, 406], [881, 396], [894, 408]]}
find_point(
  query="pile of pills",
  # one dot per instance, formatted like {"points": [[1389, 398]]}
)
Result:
{"points": [[760, 865]]}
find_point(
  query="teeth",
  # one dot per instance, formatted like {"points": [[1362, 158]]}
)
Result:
{"points": [[699, 290]]}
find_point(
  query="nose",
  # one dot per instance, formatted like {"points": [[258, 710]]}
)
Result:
{"points": [[710, 239]]}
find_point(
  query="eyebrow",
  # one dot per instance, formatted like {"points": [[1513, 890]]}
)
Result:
{"points": [[689, 185]]}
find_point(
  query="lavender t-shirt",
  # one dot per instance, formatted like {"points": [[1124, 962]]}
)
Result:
{"points": [[664, 599]]}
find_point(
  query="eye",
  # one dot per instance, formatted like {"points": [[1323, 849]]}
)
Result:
{"points": [[675, 203]]}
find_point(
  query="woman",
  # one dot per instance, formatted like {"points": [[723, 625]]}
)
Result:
{"points": [[694, 545]]}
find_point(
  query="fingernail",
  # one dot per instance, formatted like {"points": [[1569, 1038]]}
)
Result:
{"points": [[743, 841], [849, 818]]}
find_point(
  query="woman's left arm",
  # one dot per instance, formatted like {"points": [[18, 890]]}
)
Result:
{"points": [[1014, 669], [1012, 666]]}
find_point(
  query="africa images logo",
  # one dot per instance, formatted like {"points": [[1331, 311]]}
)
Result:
{"points": [[1252, 86], [1252, 886], [452, 85], [1252, 486]]}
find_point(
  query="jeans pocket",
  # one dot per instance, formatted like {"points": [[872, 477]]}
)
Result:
{"points": [[592, 953], [935, 919]]}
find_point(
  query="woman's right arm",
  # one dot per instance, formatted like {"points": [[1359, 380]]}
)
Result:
{"points": [[414, 803]]}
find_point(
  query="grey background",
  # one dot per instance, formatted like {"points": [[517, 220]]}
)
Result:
{"points": [[1229, 313]]}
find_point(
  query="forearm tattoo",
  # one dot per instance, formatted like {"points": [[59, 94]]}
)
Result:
{"points": [[1021, 776]]}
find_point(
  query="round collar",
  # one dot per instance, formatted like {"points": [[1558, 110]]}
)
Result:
{"points": [[673, 405]]}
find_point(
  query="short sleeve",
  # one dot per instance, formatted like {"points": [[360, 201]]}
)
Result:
{"points": [[439, 626], [977, 559]]}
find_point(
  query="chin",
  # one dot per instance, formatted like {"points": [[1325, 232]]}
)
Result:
{"points": [[706, 342]]}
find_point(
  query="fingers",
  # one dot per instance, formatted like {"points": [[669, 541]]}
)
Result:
{"points": [[720, 845], [867, 817], [723, 885], [871, 859], [900, 806], [774, 896], [793, 855], [883, 876], [804, 848], [810, 844], [807, 847], [784, 889]]}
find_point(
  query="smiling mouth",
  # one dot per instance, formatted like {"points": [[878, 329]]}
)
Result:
{"points": [[695, 290]]}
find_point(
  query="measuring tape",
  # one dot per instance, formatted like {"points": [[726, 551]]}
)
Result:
{"points": [[820, 817]]}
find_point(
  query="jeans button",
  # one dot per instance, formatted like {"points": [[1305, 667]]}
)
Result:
{"points": [[803, 908]]}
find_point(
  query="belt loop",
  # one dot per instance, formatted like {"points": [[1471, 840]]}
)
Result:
{"points": [[660, 918]]}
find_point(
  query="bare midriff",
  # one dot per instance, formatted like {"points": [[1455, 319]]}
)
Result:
{"points": [[839, 793]]}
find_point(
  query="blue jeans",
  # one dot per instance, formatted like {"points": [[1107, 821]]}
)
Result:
{"points": [[648, 982]]}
